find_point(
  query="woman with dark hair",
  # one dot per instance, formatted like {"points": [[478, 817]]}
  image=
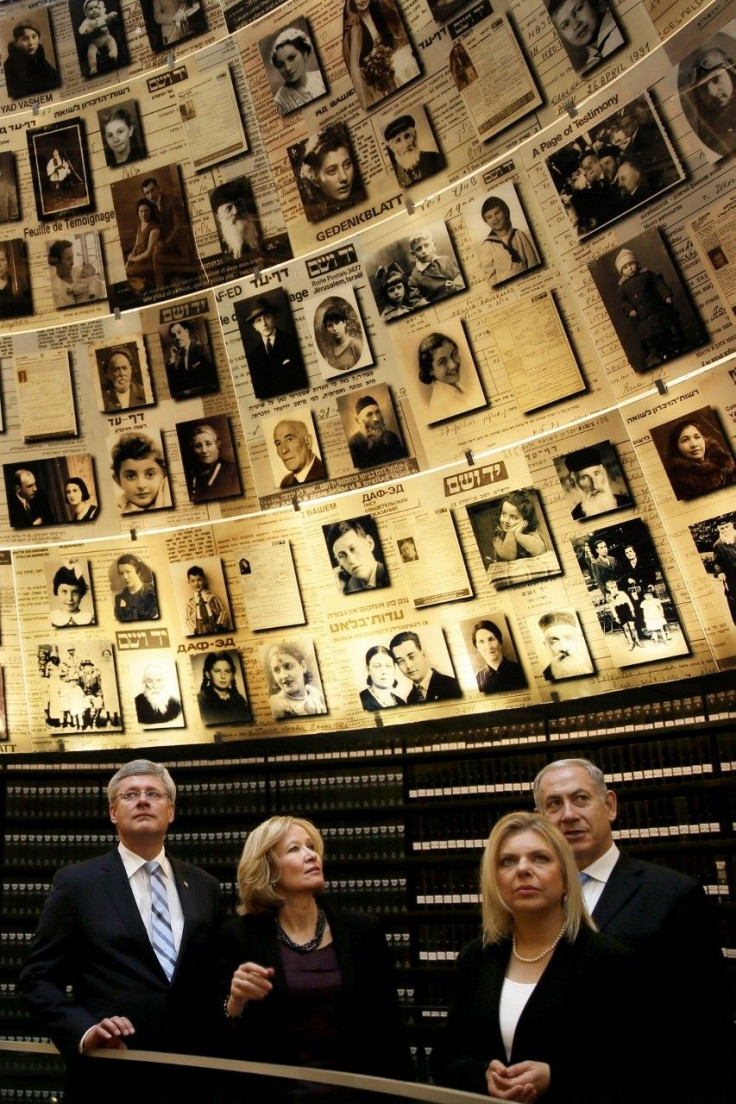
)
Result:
{"points": [[453, 391], [517, 535], [343, 349], [289, 54], [697, 462], [79, 500], [139, 262], [69, 590], [372, 35], [219, 698], [498, 674], [137, 600], [121, 142], [381, 679], [328, 173]]}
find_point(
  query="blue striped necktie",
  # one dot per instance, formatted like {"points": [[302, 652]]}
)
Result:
{"points": [[162, 936]]}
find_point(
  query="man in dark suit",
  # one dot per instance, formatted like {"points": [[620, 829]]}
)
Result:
{"points": [[414, 663], [274, 357], [28, 506], [121, 391], [123, 954], [293, 443], [658, 912]]}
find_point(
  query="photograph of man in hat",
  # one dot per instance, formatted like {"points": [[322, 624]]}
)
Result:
{"points": [[409, 161], [593, 477], [237, 221], [373, 442], [707, 86], [271, 348]]}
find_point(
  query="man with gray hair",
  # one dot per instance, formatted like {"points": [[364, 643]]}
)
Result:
{"points": [[658, 912], [124, 950]]}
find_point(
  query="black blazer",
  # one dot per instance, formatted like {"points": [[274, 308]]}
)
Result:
{"points": [[585, 1018], [373, 1034], [440, 688]]}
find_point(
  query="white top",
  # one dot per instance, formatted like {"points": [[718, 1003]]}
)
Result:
{"points": [[514, 995], [140, 883], [598, 874]]}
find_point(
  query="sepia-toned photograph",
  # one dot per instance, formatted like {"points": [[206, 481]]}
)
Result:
{"points": [[99, 35], [238, 227], [76, 270], [423, 665], [292, 66], [491, 651], [443, 366], [339, 334], [560, 644], [51, 492], [121, 132], [62, 185], [271, 345], [513, 538], [71, 601], [326, 172], [208, 456], [410, 144], [15, 288], [121, 374], [588, 31], [371, 428], [133, 588], [80, 491], [158, 698], [139, 471], [203, 602], [293, 449], [80, 687], [376, 49], [411, 273], [9, 203], [593, 481], [647, 301], [188, 358], [504, 242], [292, 679], [715, 540], [706, 81], [28, 51], [356, 555], [169, 22], [695, 453], [221, 696]]}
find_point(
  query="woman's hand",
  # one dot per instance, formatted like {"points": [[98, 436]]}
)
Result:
{"points": [[526, 1081], [250, 982]]}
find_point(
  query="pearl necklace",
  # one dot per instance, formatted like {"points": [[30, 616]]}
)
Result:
{"points": [[311, 944], [537, 958]]}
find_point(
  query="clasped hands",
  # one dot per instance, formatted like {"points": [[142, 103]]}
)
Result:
{"points": [[525, 1081], [250, 982]]}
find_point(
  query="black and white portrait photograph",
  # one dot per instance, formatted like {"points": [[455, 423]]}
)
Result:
{"points": [[187, 352], [80, 686], [593, 480], [275, 361], [513, 538], [292, 66], [376, 49], [71, 601], [9, 203], [326, 172], [695, 453], [623, 161], [59, 169], [629, 593], [492, 653], [139, 471], [706, 82], [410, 144], [208, 455], [121, 132], [339, 334], [15, 288], [121, 374], [379, 682], [413, 272], [99, 35], [28, 51], [715, 540], [238, 226], [133, 589], [81, 499], [503, 239], [48, 492], [647, 301], [292, 679], [443, 373], [293, 449], [588, 31], [356, 555], [76, 269], [169, 22], [218, 679], [562, 651], [202, 597], [371, 428], [154, 678]]}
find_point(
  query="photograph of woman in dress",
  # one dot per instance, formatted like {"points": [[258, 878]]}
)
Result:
{"points": [[298, 78], [338, 335], [292, 678], [219, 699], [139, 262], [121, 134], [327, 173], [695, 454], [498, 673], [79, 501], [381, 680], [172, 21], [376, 49], [136, 601], [447, 373]]}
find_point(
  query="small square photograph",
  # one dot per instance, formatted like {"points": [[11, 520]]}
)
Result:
{"points": [[158, 701], [293, 449], [51, 492], [238, 226], [292, 66], [121, 375], [139, 471], [620, 163], [445, 368], [187, 352], [9, 205], [513, 538], [410, 145], [326, 172], [356, 555], [27, 46], [271, 345], [133, 589], [203, 601], [587, 29], [370, 426], [413, 272], [71, 601], [376, 49], [695, 453], [715, 540], [504, 241], [121, 132], [647, 301], [15, 287], [407, 549], [76, 270], [208, 456], [561, 647], [99, 35], [292, 679], [339, 335], [81, 687], [706, 82], [221, 695], [169, 22], [491, 651], [593, 481], [62, 184]]}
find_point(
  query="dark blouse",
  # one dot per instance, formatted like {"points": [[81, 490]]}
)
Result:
{"points": [[314, 982]]}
